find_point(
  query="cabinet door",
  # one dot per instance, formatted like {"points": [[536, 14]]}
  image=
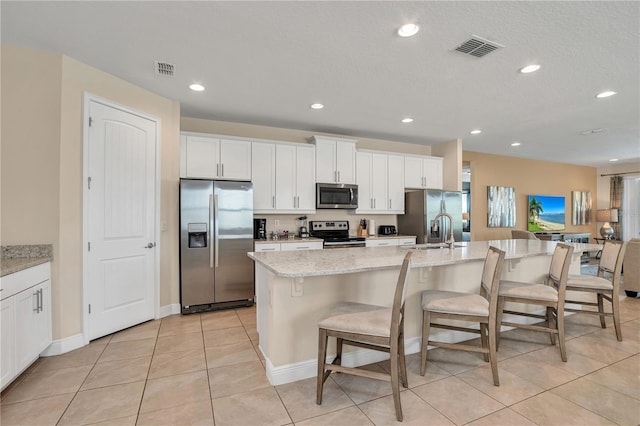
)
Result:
{"points": [[432, 169], [345, 162], [42, 318], [306, 178], [379, 182], [413, 177], [263, 175], [235, 159], [8, 344], [285, 177], [395, 167], [407, 241], [325, 161], [202, 157], [25, 304], [365, 198]]}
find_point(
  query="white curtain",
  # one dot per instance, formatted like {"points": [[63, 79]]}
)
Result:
{"points": [[631, 205]]}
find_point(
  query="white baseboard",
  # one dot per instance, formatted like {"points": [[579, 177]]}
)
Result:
{"points": [[58, 347], [306, 369], [172, 309]]}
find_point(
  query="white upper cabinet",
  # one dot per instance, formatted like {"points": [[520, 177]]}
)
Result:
{"points": [[283, 178], [395, 168], [380, 181], [211, 157], [263, 172], [422, 172], [335, 160]]}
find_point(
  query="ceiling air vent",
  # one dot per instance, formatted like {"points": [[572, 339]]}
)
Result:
{"points": [[478, 47], [164, 69]]}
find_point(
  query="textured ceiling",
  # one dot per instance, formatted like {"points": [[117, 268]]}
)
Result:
{"points": [[266, 62]]}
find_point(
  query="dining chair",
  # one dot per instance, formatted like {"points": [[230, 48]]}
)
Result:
{"points": [[518, 234], [606, 285], [550, 295], [480, 308], [371, 327]]}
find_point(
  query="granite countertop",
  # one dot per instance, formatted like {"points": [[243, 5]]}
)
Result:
{"points": [[351, 260], [19, 257]]}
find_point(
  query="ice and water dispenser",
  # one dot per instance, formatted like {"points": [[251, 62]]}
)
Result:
{"points": [[197, 235]]}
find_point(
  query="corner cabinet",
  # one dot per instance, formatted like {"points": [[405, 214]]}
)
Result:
{"points": [[335, 160], [283, 178], [211, 157], [380, 179], [26, 319], [422, 172]]}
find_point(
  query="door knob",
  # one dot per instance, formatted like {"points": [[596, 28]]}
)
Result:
{"points": [[150, 245]]}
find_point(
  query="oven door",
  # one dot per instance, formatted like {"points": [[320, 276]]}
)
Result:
{"points": [[336, 196]]}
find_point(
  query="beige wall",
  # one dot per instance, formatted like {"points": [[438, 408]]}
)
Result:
{"points": [[451, 152], [527, 177], [48, 141]]}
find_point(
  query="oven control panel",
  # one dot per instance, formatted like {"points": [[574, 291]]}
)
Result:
{"points": [[336, 225]]}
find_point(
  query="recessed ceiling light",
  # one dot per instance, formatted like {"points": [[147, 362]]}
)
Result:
{"points": [[476, 132], [613, 160], [196, 87], [316, 106], [516, 144], [530, 68], [606, 94], [407, 120], [408, 30]]}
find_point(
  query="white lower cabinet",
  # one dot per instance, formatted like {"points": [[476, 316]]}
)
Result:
{"points": [[26, 320], [298, 245], [384, 242]]}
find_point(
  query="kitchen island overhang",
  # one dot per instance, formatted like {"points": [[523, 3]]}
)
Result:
{"points": [[293, 289]]}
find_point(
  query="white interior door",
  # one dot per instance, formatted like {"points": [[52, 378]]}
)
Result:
{"points": [[120, 275]]}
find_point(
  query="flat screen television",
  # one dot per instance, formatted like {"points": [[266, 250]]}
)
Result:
{"points": [[546, 213]]}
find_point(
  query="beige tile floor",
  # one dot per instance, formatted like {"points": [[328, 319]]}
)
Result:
{"points": [[206, 369]]}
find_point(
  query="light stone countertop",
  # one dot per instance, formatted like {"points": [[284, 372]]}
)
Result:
{"points": [[15, 258], [292, 264]]}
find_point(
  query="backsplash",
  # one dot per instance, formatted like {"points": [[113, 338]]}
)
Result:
{"points": [[289, 222]]}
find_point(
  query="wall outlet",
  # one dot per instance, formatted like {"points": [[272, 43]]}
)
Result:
{"points": [[276, 223]]}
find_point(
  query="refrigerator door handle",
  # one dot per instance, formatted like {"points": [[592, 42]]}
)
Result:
{"points": [[210, 230], [215, 228]]}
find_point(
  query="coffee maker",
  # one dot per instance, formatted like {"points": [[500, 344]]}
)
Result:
{"points": [[303, 231], [259, 229]]}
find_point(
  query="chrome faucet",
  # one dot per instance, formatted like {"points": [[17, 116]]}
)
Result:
{"points": [[450, 241]]}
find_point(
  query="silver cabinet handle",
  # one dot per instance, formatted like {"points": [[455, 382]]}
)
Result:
{"points": [[218, 169], [302, 248], [273, 201], [389, 203], [338, 175], [41, 306], [222, 169], [268, 249]]}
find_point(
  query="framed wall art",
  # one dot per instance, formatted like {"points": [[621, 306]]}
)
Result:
{"points": [[501, 207], [581, 212]]}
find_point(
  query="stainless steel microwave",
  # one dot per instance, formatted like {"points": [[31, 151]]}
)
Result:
{"points": [[336, 196]]}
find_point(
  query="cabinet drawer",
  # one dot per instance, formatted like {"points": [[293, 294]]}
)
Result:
{"points": [[267, 247], [311, 245], [382, 243], [406, 241], [20, 281]]}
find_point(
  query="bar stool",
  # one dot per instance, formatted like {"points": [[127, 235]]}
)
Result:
{"points": [[481, 308], [604, 288], [551, 295], [368, 326]]}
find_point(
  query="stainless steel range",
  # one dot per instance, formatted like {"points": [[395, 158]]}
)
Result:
{"points": [[335, 234]]}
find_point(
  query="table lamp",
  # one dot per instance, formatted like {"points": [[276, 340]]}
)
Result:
{"points": [[606, 216]]}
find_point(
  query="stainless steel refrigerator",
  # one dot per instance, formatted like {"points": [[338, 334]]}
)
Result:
{"points": [[421, 208], [216, 232]]}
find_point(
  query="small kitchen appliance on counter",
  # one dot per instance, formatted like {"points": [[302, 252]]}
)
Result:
{"points": [[303, 231], [259, 229], [387, 230], [335, 234]]}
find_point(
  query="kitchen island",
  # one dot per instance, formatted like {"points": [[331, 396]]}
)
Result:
{"points": [[293, 289]]}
